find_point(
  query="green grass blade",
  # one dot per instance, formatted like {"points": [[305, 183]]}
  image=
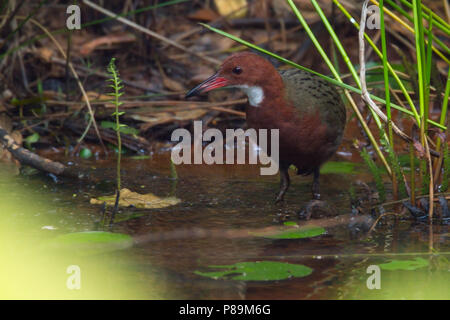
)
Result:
{"points": [[391, 69], [411, 19], [386, 74], [314, 40], [429, 56], [337, 42], [376, 174], [442, 22], [420, 52], [444, 107]]}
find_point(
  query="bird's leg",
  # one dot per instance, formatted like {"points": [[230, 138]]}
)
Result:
{"points": [[316, 208], [284, 183], [316, 184]]}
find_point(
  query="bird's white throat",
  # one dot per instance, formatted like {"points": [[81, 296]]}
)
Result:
{"points": [[255, 94]]}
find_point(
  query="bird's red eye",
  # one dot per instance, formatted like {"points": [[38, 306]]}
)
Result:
{"points": [[237, 70]]}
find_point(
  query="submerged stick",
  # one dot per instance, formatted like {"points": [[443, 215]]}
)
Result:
{"points": [[201, 233]]}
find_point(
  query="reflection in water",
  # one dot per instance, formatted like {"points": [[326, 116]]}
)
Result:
{"points": [[225, 197]]}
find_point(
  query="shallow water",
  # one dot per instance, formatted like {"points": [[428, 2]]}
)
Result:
{"points": [[229, 197]]}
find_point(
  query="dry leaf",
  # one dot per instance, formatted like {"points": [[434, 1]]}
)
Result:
{"points": [[144, 201], [45, 54], [226, 7], [108, 40], [92, 95], [204, 14]]}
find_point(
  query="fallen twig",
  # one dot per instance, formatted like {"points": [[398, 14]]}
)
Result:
{"points": [[199, 233], [27, 157]]}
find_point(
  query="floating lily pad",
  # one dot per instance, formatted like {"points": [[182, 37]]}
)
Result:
{"points": [[405, 264], [144, 201], [294, 231], [90, 242], [258, 271], [299, 233]]}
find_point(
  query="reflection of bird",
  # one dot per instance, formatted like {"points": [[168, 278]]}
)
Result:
{"points": [[306, 109]]}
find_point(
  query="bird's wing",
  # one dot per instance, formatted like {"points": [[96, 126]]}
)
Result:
{"points": [[311, 94]]}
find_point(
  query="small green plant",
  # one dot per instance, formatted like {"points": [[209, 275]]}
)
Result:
{"points": [[116, 85], [375, 171], [32, 138], [396, 168]]}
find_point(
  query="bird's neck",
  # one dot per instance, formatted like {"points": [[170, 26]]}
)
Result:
{"points": [[265, 93], [255, 94]]}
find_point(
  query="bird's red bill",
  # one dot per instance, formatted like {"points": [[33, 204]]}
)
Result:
{"points": [[209, 84]]}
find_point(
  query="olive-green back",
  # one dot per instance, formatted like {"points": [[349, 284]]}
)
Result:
{"points": [[309, 93]]}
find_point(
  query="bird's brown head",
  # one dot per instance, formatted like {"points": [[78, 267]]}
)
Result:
{"points": [[247, 71]]}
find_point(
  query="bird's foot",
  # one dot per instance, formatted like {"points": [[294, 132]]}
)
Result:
{"points": [[316, 209]]}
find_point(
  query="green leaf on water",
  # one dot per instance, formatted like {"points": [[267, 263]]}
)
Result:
{"points": [[90, 242], [258, 271], [292, 230], [298, 233], [340, 167], [405, 264]]}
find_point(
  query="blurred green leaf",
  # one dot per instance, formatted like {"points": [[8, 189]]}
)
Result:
{"points": [[258, 271], [291, 230], [85, 153], [33, 138], [298, 233], [90, 242]]}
